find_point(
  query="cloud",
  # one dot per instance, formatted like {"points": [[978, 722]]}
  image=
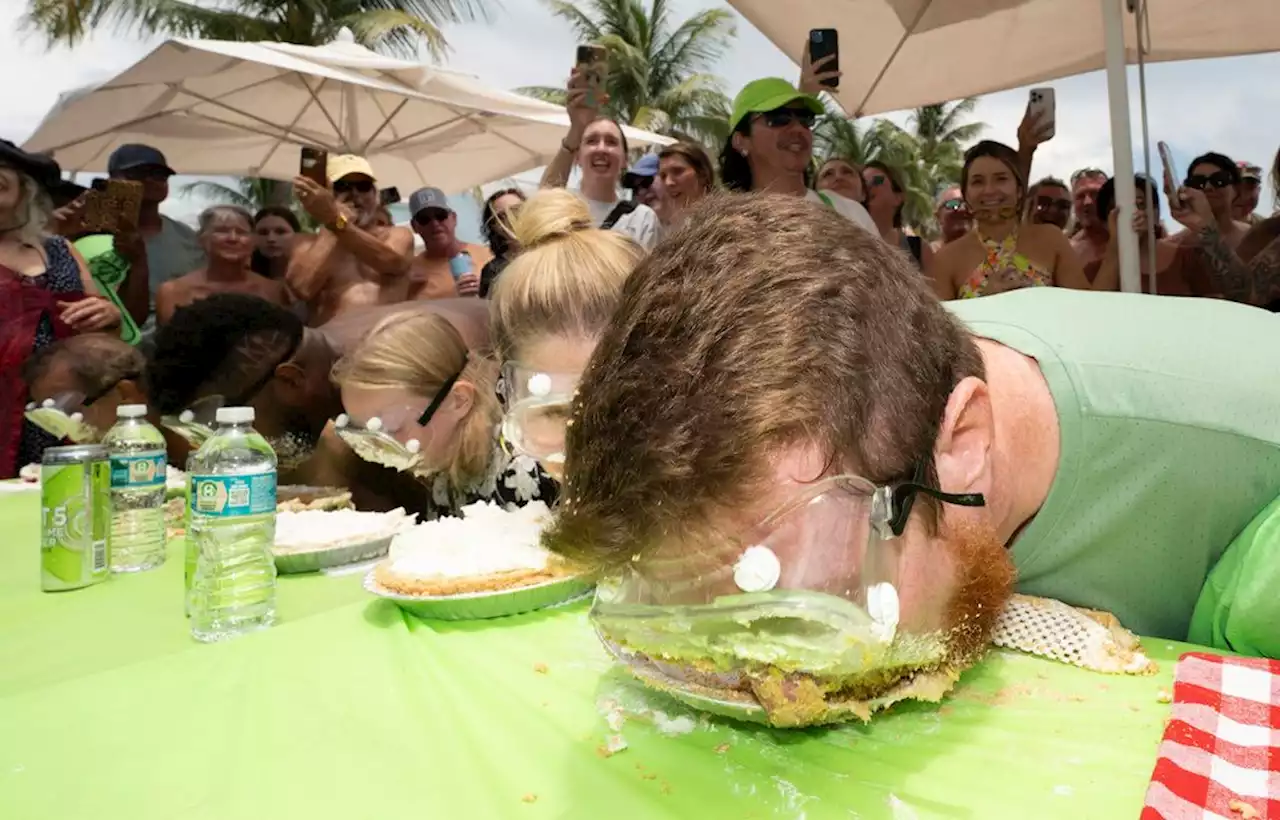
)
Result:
{"points": [[1230, 105]]}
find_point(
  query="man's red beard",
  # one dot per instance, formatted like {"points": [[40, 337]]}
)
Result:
{"points": [[984, 581]]}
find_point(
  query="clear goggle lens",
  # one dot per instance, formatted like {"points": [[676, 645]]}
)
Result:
{"points": [[811, 591], [372, 444], [539, 409], [62, 416], [196, 423]]}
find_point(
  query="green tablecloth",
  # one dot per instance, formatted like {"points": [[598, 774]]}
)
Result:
{"points": [[349, 709]]}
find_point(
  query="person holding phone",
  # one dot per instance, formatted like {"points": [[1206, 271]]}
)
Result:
{"points": [[597, 145], [770, 144], [446, 267], [351, 262]]}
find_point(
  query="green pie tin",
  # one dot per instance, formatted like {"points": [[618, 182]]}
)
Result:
{"points": [[481, 605]]}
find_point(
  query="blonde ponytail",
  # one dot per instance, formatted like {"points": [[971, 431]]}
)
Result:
{"points": [[566, 279]]}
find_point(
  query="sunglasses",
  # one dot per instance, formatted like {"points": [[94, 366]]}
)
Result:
{"points": [[428, 215], [1221, 179], [642, 183], [362, 186], [144, 173], [782, 117], [877, 180], [1049, 203], [953, 205]]}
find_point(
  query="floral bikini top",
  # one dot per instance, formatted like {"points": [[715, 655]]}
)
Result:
{"points": [[1003, 269]]}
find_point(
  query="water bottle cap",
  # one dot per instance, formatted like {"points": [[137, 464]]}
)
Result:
{"points": [[234, 415], [131, 411]]}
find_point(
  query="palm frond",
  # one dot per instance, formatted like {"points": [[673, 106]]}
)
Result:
{"points": [[218, 193], [545, 93], [398, 31]]}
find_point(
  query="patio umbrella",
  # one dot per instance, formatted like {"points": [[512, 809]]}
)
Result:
{"points": [[900, 54], [245, 109]]}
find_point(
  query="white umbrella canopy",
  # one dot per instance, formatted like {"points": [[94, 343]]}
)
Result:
{"points": [[245, 109], [898, 54]]}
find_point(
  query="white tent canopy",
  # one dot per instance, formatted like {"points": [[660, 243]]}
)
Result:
{"points": [[245, 109], [898, 54]]}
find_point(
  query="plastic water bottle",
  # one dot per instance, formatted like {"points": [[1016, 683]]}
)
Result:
{"points": [[138, 462], [233, 525]]}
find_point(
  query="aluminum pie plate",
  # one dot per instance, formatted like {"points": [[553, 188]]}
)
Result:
{"points": [[289, 563], [481, 605]]}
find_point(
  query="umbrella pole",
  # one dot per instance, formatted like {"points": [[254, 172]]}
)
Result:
{"points": [[1121, 141]]}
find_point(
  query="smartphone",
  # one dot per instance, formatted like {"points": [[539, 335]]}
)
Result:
{"points": [[111, 204], [825, 42], [1170, 169], [593, 64], [1043, 103], [314, 165], [389, 196]]}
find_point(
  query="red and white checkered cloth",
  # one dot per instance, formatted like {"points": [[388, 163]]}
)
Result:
{"points": [[1220, 757]]}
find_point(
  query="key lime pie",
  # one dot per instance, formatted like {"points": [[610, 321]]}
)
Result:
{"points": [[311, 540], [488, 550]]}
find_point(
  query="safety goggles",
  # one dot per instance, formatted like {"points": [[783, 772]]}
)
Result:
{"points": [[539, 406], [63, 415], [376, 440], [813, 588]]}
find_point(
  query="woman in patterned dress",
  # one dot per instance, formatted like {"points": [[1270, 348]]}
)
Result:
{"points": [[1001, 252], [46, 294], [411, 386]]}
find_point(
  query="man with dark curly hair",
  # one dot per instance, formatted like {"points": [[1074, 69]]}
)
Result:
{"points": [[251, 352]]}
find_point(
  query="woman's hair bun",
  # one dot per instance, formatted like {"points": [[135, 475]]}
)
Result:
{"points": [[550, 215]]}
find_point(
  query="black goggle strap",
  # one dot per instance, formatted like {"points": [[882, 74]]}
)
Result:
{"points": [[895, 500], [441, 394]]}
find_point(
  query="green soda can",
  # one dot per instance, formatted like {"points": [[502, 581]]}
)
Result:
{"points": [[75, 517]]}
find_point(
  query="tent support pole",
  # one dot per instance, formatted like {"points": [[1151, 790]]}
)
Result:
{"points": [[1121, 141]]}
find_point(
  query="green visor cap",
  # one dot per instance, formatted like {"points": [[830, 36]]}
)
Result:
{"points": [[759, 96]]}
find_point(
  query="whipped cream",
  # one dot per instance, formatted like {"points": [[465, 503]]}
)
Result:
{"points": [[308, 530], [487, 540]]}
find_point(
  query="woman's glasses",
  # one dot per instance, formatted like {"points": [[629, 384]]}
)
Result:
{"points": [[953, 205], [877, 180], [1050, 203], [1221, 179], [782, 117]]}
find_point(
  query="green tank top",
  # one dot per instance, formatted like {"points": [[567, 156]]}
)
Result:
{"points": [[1169, 410]]}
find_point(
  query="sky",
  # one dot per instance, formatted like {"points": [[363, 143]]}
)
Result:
{"points": [[1227, 105]]}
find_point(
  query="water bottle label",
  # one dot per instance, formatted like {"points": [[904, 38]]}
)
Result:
{"points": [[144, 470], [224, 496]]}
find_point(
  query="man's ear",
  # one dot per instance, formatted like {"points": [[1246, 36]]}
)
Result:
{"points": [[292, 379], [963, 450]]}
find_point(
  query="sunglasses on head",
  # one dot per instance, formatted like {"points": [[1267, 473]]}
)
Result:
{"points": [[1084, 173], [428, 215], [782, 117], [362, 186], [1221, 179]]}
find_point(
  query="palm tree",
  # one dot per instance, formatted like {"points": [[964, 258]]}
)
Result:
{"points": [[941, 138], [397, 26], [658, 76], [877, 140], [251, 193]]}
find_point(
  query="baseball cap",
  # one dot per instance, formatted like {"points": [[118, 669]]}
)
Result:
{"points": [[759, 96], [1249, 171], [134, 155], [344, 165], [425, 198], [645, 167]]}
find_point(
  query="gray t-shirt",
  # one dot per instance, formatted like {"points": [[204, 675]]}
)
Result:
{"points": [[173, 252]]}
